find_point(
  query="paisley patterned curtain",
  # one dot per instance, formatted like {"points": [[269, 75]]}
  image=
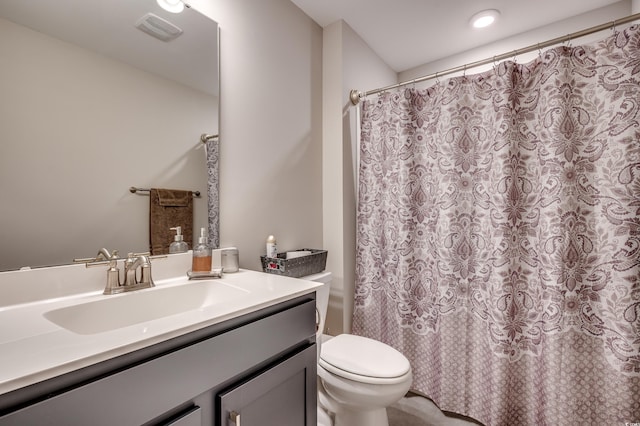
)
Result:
{"points": [[212, 148], [499, 236]]}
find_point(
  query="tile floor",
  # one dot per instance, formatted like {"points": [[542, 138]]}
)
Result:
{"points": [[415, 410]]}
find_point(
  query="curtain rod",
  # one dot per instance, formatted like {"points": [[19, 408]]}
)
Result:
{"points": [[133, 190], [355, 95], [205, 137]]}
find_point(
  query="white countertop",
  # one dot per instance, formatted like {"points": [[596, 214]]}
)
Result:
{"points": [[33, 349]]}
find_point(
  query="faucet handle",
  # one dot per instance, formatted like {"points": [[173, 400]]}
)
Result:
{"points": [[132, 257], [131, 265], [102, 256], [113, 277]]}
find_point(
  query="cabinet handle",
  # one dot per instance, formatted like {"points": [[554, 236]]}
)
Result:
{"points": [[235, 417]]}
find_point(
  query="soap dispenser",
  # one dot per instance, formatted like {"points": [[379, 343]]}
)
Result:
{"points": [[202, 254], [178, 245]]}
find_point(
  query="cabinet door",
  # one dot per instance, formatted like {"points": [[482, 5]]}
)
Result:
{"points": [[283, 395]]}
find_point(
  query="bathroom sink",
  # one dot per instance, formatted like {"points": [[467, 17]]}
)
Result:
{"points": [[122, 310]]}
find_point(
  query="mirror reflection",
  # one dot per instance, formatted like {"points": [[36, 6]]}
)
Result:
{"points": [[91, 106]]}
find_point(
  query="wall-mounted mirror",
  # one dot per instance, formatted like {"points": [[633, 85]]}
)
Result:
{"points": [[90, 106]]}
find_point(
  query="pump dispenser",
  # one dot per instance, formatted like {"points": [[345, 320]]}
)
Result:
{"points": [[202, 254], [178, 245]]}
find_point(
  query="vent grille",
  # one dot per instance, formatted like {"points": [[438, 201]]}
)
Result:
{"points": [[158, 27]]}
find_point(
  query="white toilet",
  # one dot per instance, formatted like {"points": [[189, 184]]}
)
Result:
{"points": [[358, 377]]}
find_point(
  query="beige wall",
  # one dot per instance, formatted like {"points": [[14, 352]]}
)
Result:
{"points": [[271, 125], [283, 104]]}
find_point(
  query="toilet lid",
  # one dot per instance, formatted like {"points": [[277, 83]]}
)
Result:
{"points": [[363, 359]]}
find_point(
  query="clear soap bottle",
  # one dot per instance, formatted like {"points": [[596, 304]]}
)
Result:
{"points": [[202, 254], [178, 245]]}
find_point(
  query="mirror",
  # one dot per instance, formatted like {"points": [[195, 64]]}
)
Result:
{"points": [[91, 106]]}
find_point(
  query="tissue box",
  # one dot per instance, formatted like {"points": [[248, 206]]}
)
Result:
{"points": [[296, 267]]}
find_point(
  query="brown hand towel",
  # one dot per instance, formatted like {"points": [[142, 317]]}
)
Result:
{"points": [[169, 208]]}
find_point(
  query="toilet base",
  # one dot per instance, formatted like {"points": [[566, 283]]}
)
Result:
{"points": [[324, 419], [346, 417], [356, 403]]}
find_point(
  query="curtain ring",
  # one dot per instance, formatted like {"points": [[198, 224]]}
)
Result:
{"points": [[437, 79], [613, 27], [539, 51], [464, 71], [568, 41]]}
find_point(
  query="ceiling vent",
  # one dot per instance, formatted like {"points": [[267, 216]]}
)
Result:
{"points": [[158, 27]]}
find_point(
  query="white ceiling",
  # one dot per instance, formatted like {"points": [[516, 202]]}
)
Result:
{"points": [[409, 33], [108, 27]]}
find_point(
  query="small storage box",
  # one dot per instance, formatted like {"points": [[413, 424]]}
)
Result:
{"points": [[296, 267]]}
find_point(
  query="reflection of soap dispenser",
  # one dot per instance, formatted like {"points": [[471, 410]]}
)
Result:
{"points": [[178, 245], [202, 254]]}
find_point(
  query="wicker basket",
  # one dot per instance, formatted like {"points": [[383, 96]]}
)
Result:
{"points": [[296, 267]]}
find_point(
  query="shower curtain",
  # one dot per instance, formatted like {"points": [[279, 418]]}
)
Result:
{"points": [[498, 236], [212, 149]]}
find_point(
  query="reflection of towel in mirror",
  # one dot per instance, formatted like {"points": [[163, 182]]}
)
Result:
{"points": [[169, 208]]}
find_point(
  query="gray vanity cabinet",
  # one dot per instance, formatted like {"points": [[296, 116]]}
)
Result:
{"points": [[260, 367]]}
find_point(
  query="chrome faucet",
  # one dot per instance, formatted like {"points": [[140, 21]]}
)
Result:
{"points": [[131, 282], [131, 265], [133, 262]]}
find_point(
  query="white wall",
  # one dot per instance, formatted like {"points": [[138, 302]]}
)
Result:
{"points": [[347, 63], [270, 125]]}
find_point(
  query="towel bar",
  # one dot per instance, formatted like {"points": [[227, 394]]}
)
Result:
{"points": [[133, 190]]}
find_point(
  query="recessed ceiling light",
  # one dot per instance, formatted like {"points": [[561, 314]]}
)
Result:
{"points": [[485, 18], [173, 6]]}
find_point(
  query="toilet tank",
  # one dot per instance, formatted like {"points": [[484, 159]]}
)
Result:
{"points": [[322, 296]]}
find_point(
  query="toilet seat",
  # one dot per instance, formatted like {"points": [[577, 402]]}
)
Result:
{"points": [[363, 360]]}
